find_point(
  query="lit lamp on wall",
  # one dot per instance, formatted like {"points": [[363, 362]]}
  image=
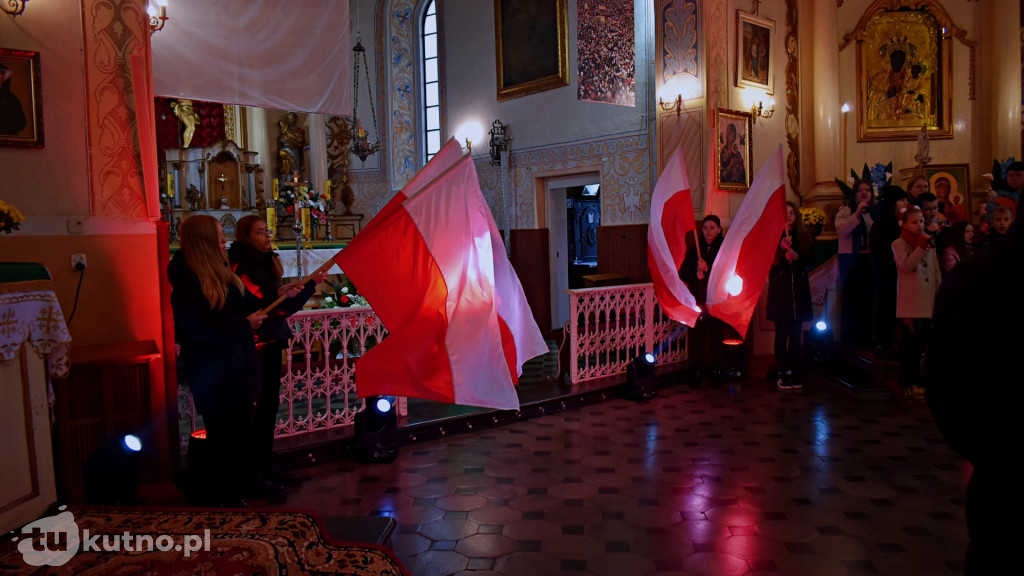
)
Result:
{"points": [[676, 106], [760, 110], [499, 141], [845, 110], [361, 145], [157, 17], [13, 7]]}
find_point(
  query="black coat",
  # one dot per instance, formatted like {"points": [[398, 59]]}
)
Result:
{"points": [[217, 346], [688, 271], [789, 289], [885, 229], [257, 271], [973, 356]]}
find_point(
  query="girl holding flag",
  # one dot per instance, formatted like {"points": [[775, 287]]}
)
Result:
{"points": [[789, 295], [706, 336]]}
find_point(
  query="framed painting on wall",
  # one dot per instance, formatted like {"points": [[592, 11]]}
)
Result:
{"points": [[21, 99], [735, 161], [951, 184], [532, 45], [754, 52], [903, 74]]}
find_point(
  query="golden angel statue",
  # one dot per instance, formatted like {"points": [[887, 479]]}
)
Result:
{"points": [[188, 116]]}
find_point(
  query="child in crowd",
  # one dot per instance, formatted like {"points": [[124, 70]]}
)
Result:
{"points": [[959, 245], [916, 285], [853, 224], [885, 229], [1002, 217], [934, 222]]}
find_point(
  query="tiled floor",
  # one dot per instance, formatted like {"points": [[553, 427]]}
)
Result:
{"points": [[715, 481]]}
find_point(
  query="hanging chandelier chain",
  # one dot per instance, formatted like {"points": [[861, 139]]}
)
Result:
{"points": [[369, 93]]}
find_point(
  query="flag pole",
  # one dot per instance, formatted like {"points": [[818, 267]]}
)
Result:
{"points": [[323, 268], [700, 257]]}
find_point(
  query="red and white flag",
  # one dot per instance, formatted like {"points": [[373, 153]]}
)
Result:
{"points": [[743, 262], [671, 220], [428, 270]]}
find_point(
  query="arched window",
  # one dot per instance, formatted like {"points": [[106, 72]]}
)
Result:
{"points": [[431, 81]]}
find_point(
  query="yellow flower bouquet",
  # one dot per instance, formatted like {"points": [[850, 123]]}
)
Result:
{"points": [[812, 216], [10, 218]]}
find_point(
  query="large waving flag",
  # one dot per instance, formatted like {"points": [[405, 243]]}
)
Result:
{"points": [[459, 326], [743, 262], [671, 220]]}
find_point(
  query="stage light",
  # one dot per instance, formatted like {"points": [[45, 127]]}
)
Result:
{"points": [[819, 341], [734, 285], [112, 471], [641, 383], [734, 358], [375, 429]]}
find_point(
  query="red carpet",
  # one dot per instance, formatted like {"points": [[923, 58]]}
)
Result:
{"points": [[240, 542]]}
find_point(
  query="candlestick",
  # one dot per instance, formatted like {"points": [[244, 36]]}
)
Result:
{"points": [[846, 110], [272, 221], [170, 185], [327, 190]]}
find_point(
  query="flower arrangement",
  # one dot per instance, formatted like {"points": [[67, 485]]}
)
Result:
{"points": [[10, 218], [812, 217], [292, 193], [344, 296]]}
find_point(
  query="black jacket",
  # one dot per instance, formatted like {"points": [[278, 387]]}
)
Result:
{"points": [[256, 269], [688, 271], [217, 346], [789, 289]]}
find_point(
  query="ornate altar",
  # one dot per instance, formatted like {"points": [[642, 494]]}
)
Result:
{"points": [[220, 180]]}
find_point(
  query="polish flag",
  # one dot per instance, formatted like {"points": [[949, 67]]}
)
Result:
{"points": [[428, 269], [671, 220], [742, 265]]}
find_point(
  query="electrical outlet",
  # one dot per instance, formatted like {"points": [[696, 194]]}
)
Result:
{"points": [[78, 262]]}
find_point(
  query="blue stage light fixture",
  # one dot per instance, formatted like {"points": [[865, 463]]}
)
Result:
{"points": [[375, 429], [641, 383], [112, 472], [819, 341]]}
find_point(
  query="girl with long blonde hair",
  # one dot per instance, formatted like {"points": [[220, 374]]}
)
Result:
{"points": [[214, 320]]}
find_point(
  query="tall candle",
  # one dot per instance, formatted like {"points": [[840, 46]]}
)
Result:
{"points": [[327, 189], [305, 222], [274, 188], [272, 221], [170, 184]]}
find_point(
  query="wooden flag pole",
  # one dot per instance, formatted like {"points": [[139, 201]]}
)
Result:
{"points": [[323, 268], [700, 257]]}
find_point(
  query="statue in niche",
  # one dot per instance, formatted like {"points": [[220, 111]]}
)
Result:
{"points": [[290, 145], [188, 116]]}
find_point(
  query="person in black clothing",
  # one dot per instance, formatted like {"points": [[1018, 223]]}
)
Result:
{"points": [[707, 335], [885, 229], [214, 320], [975, 340], [259, 267], [789, 296]]}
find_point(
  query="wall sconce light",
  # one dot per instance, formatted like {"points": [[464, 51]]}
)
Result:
{"points": [[676, 106], [469, 146], [499, 141], [157, 18], [764, 112], [13, 7]]}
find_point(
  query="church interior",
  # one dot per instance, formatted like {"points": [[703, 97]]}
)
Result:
{"points": [[134, 115]]}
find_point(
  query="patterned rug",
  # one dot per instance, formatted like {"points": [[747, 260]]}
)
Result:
{"points": [[157, 542]]}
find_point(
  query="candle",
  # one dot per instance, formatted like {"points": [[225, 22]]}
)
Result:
{"points": [[327, 190], [170, 185], [305, 222], [274, 188], [272, 221]]}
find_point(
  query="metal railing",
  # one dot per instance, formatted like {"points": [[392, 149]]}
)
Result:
{"points": [[608, 327]]}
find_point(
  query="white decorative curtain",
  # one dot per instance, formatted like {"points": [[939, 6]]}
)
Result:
{"points": [[294, 55]]}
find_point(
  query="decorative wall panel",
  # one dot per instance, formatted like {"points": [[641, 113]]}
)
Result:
{"points": [[400, 122]]}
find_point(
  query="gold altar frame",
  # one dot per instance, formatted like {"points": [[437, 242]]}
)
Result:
{"points": [[25, 84], [748, 28], [893, 104], [744, 124], [527, 62]]}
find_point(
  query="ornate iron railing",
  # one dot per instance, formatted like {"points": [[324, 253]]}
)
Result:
{"points": [[608, 327]]}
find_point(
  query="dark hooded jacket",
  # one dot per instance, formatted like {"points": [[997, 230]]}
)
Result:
{"points": [[217, 346], [256, 269]]}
